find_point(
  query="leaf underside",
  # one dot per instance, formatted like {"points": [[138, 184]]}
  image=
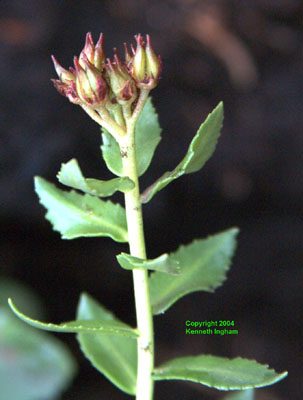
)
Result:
{"points": [[162, 263], [148, 136], [203, 265], [75, 215], [219, 372], [113, 356], [71, 175], [91, 326], [200, 150]]}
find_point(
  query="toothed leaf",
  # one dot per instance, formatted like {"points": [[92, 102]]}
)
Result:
{"points": [[75, 215], [203, 265], [200, 150], [218, 372], [71, 175]]}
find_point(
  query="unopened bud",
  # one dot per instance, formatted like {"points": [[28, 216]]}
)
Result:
{"points": [[127, 57], [138, 64], [90, 85], [64, 75], [145, 66], [94, 54], [120, 82], [153, 63], [99, 57]]}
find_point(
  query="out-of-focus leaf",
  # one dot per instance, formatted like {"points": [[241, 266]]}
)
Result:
{"points": [[31, 303], [33, 364], [147, 138], [218, 372], [71, 175], [203, 265], [162, 263], [241, 395], [200, 150], [75, 215], [114, 356]]}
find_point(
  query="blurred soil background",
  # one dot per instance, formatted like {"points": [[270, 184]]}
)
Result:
{"points": [[248, 54]]}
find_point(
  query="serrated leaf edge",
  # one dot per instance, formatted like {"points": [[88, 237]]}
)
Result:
{"points": [[64, 328], [86, 215], [280, 376], [211, 290]]}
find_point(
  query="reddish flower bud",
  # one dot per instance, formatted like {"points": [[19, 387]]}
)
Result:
{"points": [[66, 84], [99, 57], [62, 73], [153, 63], [121, 83], [128, 58], [94, 54], [91, 87], [138, 63], [145, 66]]}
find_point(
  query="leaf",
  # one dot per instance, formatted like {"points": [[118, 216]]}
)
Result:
{"points": [[241, 395], [219, 372], [71, 175], [23, 294], [203, 265], [147, 138], [33, 364], [162, 263], [113, 356], [92, 326], [200, 150], [75, 215]]}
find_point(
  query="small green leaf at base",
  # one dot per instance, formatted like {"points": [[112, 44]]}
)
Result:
{"points": [[200, 150], [147, 138], [71, 175], [203, 265], [219, 372], [162, 263], [113, 356], [75, 215], [92, 326]]}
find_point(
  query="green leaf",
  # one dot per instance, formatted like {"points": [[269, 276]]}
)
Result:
{"points": [[241, 395], [219, 372], [75, 215], [71, 175], [162, 263], [147, 138], [200, 150], [113, 356], [33, 364], [91, 326], [203, 265]]}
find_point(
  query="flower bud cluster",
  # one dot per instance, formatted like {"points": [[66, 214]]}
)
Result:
{"points": [[95, 81]]}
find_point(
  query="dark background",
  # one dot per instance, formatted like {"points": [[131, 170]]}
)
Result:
{"points": [[248, 54]]}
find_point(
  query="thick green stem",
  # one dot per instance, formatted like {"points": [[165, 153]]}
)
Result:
{"points": [[140, 277]]}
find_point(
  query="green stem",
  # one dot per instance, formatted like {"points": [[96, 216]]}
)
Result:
{"points": [[103, 118], [137, 248]]}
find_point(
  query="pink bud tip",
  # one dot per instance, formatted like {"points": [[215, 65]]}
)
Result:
{"points": [[77, 65], [100, 41], [89, 39], [139, 40]]}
